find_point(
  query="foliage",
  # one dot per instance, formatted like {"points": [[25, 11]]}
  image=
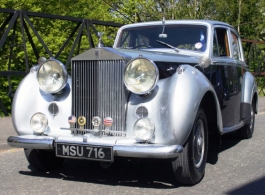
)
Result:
{"points": [[53, 32], [246, 16]]}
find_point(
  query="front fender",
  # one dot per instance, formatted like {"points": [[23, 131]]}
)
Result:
{"points": [[188, 91], [173, 105], [29, 99]]}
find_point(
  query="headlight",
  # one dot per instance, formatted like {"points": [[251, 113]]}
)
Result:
{"points": [[141, 75], [52, 76], [144, 129], [39, 123]]}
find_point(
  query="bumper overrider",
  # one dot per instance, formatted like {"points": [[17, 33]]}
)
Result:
{"points": [[77, 147]]}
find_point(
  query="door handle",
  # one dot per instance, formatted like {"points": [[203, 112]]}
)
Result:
{"points": [[214, 61]]}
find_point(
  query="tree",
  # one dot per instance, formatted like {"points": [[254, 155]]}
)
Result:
{"points": [[53, 32]]}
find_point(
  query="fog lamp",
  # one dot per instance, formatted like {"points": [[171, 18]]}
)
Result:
{"points": [[39, 123], [144, 129]]}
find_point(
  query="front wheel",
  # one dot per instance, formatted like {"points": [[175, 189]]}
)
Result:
{"points": [[43, 160], [189, 167]]}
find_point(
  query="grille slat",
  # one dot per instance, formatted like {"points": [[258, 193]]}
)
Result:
{"points": [[98, 90]]}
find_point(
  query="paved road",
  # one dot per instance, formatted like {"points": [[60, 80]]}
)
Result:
{"points": [[237, 168], [6, 129]]}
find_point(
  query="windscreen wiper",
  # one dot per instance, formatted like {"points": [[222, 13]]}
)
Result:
{"points": [[170, 46]]}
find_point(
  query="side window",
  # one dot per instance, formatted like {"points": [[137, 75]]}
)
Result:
{"points": [[215, 45], [236, 54], [220, 43]]}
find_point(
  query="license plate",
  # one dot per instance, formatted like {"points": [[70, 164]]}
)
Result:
{"points": [[89, 152]]}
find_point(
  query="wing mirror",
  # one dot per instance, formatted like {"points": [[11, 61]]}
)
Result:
{"points": [[204, 61]]}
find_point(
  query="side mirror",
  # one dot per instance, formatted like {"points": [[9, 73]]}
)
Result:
{"points": [[204, 61]]}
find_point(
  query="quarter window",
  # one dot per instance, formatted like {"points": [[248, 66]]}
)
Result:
{"points": [[236, 54]]}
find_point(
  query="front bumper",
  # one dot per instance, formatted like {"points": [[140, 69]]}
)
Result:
{"points": [[124, 150]]}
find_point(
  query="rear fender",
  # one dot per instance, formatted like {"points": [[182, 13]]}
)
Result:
{"points": [[249, 91]]}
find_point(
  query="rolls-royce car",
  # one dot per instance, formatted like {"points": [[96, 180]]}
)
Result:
{"points": [[158, 93]]}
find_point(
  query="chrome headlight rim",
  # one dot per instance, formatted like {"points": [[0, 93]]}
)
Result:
{"points": [[64, 71], [45, 124], [155, 81], [151, 130]]}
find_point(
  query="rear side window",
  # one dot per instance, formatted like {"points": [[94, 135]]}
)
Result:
{"points": [[220, 43]]}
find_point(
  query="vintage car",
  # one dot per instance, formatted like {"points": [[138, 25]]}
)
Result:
{"points": [[159, 93]]}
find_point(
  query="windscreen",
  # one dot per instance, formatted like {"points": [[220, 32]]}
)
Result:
{"points": [[188, 37]]}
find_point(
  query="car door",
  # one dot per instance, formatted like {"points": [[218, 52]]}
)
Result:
{"points": [[226, 69]]}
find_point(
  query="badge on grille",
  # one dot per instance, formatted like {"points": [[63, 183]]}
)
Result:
{"points": [[81, 121], [96, 122], [72, 121], [108, 123]]}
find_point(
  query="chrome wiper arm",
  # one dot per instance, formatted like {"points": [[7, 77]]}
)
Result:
{"points": [[170, 46]]}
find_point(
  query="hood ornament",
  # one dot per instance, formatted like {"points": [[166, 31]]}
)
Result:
{"points": [[100, 43], [163, 20]]}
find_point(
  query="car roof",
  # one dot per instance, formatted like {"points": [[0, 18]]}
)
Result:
{"points": [[169, 22]]}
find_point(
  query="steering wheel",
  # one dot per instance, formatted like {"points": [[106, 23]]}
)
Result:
{"points": [[139, 46]]}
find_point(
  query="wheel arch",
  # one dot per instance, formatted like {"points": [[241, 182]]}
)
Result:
{"points": [[213, 115]]}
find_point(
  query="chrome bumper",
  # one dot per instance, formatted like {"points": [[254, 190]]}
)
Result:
{"points": [[31, 141], [131, 150]]}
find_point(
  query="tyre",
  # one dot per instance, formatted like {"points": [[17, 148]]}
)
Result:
{"points": [[43, 160], [247, 130], [189, 167]]}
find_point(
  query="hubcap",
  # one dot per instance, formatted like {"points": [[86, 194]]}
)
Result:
{"points": [[198, 144]]}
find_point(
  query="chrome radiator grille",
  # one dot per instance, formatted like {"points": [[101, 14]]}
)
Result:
{"points": [[98, 90]]}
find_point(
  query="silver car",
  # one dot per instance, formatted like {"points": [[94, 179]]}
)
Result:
{"points": [[159, 93]]}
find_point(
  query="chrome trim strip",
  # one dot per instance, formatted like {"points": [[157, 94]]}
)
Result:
{"points": [[233, 128], [31, 141], [84, 131], [147, 151]]}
